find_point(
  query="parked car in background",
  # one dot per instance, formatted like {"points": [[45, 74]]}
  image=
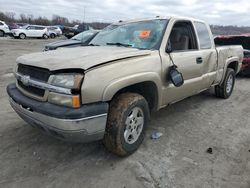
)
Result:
{"points": [[16, 25], [54, 30], [13, 26], [21, 24], [82, 39], [243, 40], [245, 68], [70, 32], [35, 31], [4, 29], [52, 34]]}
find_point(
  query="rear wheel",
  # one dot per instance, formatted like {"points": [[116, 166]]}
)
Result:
{"points": [[1, 33], [52, 35], [226, 88], [127, 121], [45, 36], [22, 36]]}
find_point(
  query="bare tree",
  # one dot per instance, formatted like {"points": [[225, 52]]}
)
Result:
{"points": [[10, 16], [59, 20], [23, 18], [30, 18]]}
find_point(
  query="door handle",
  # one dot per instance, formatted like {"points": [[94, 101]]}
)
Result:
{"points": [[199, 60]]}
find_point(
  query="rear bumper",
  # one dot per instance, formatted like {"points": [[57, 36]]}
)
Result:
{"points": [[77, 125]]}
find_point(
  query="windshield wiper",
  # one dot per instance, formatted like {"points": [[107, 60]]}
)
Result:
{"points": [[119, 44]]}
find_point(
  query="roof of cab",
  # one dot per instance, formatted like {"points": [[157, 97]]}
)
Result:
{"points": [[157, 18]]}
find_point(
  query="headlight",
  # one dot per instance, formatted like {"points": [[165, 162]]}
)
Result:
{"points": [[71, 81], [67, 80]]}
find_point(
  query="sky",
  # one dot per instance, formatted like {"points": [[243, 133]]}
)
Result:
{"points": [[221, 12]]}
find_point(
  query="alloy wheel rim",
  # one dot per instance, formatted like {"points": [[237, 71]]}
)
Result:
{"points": [[134, 125], [229, 85]]}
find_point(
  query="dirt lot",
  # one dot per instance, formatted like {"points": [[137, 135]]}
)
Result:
{"points": [[178, 159]]}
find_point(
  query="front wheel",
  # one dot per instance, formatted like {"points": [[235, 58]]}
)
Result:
{"points": [[45, 36], [226, 88], [127, 120], [22, 36]]}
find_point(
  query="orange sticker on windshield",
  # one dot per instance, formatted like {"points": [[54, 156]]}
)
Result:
{"points": [[145, 34]]}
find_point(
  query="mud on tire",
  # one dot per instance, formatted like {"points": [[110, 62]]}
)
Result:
{"points": [[121, 120]]}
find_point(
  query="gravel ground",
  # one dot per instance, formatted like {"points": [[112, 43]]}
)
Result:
{"points": [[178, 159]]}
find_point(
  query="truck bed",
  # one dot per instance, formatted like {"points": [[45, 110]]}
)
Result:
{"points": [[225, 54]]}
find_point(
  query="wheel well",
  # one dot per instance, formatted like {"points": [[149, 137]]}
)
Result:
{"points": [[147, 89], [233, 65], [22, 33]]}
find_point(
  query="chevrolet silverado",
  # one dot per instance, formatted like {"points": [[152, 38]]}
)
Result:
{"points": [[106, 90]]}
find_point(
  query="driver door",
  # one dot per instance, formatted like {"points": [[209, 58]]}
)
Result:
{"points": [[187, 57], [30, 31]]}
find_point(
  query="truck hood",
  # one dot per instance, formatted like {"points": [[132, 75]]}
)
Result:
{"points": [[80, 57]]}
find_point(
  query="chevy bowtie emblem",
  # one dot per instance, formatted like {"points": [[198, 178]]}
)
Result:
{"points": [[25, 80]]}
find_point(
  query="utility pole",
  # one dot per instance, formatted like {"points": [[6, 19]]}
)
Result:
{"points": [[84, 9]]}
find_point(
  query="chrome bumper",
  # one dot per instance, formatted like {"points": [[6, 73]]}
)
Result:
{"points": [[85, 124], [75, 130]]}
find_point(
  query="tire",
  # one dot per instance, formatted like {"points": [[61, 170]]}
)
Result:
{"points": [[22, 36], [52, 36], [127, 121], [45, 36], [226, 88], [2, 33]]}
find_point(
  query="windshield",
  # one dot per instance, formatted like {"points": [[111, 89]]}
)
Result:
{"points": [[84, 36], [24, 27], [141, 35]]}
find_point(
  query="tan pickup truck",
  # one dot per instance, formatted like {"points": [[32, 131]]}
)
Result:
{"points": [[108, 89]]}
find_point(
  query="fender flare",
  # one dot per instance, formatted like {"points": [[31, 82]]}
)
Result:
{"points": [[228, 61], [116, 85]]}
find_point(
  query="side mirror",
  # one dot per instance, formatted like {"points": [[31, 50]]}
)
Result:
{"points": [[175, 76]]}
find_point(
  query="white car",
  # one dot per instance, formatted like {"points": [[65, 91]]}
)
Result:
{"points": [[36, 31], [54, 31], [4, 28]]}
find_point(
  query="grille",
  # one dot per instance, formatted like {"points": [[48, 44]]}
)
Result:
{"points": [[34, 72], [33, 90]]}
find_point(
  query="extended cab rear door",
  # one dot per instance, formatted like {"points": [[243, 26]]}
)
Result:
{"points": [[185, 53], [208, 53]]}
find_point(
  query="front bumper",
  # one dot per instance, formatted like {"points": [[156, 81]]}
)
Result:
{"points": [[85, 124]]}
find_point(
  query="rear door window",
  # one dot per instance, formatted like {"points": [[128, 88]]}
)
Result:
{"points": [[31, 28], [39, 28], [203, 35]]}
